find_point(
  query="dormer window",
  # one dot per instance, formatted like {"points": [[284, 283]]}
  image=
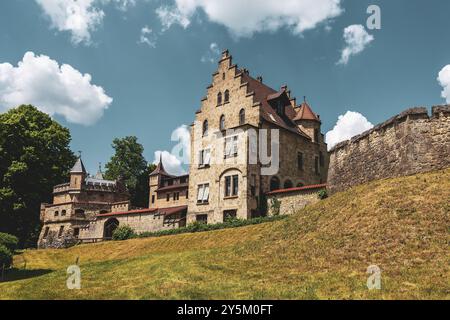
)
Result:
{"points": [[219, 98], [280, 108], [227, 96]]}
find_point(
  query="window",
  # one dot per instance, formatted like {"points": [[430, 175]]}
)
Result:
{"points": [[241, 117], [288, 184], [280, 108], [203, 193], [168, 197], [47, 229], [205, 158], [223, 76], [63, 213], [231, 186], [274, 183], [202, 218], [231, 147], [56, 213], [176, 196], [227, 96], [153, 198], [300, 161], [229, 214], [205, 128], [222, 123], [187, 194], [219, 98], [79, 213], [316, 165], [321, 159], [76, 232], [60, 232], [316, 135]]}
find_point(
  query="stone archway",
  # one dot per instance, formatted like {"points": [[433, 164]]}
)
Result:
{"points": [[109, 228]]}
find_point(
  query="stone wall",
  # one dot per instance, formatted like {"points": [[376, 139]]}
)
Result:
{"points": [[294, 199], [408, 143]]}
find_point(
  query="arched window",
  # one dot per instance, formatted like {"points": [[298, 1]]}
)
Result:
{"points": [[205, 128], [274, 183], [227, 96], [63, 212], [219, 98], [288, 184], [222, 123], [241, 117]]}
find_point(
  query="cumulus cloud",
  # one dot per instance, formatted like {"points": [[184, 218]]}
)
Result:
{"points": [[244, 18], [356, 40], [148, 37], [54, 89], [180, 155], [348, 125], [444, 81], [79, 17], [212, 54]]}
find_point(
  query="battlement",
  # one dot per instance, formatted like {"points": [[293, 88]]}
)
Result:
{"points": [[408, 143]]}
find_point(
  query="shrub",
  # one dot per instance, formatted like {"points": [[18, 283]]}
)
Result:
{"points": [[123, 233], [323, 194], [6, 257], [275, 205], [9, 241]]}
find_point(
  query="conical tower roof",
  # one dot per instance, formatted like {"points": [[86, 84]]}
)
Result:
{"points": [[78, 167], [304, 112], [160, 168]]}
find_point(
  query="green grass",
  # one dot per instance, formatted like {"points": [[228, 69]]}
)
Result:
{"points": [[322, 252]]}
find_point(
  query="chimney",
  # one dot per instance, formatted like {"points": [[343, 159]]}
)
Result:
{"points": [[260, 79], [244, 70], [225, 54]]}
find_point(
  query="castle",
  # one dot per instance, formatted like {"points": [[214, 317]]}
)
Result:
{"points": [[232, 167]]}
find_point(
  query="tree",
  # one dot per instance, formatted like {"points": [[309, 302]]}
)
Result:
{"points": [[129, 164], [34, 156]]}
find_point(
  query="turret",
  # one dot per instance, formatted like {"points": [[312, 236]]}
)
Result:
{"points": [[77, 176], [308, 121], [155, 180]]}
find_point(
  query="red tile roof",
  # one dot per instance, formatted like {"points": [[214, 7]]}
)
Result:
{"points": [[311, 187], [163, 211], [263, 94], [127, 212], [304, 112]]}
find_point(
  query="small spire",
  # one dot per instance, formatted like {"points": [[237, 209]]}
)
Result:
{"points": [[304, 99]]}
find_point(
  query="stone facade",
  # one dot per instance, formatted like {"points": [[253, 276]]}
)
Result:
{"points": [[240, 107], [409, 143], [293, 199]]}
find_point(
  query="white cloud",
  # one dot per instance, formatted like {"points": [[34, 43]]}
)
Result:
{"points": [[212, 54], [54, 89], [244, 18], [79, 17], [444, 81], [148, 37], [348, 125], [180, 155], [356, 40]]}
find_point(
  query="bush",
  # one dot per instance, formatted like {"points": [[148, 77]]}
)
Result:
{"points": [[6, 257], [9, 241], [323, 194], [123, 233], [275, 205], [201, 227]]}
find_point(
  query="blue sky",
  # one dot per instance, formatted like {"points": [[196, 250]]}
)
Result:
{"points": [[156, 85]]}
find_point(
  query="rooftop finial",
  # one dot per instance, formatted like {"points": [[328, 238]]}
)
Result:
{"points": [[79, 153], [304, 98]]}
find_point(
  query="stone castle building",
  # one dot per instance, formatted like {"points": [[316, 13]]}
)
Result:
{"points": [[240, 120]]}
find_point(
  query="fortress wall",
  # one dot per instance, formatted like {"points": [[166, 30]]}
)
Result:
{"points": [[408, 143]]}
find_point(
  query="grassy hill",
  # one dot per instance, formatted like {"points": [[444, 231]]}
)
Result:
{"points": [[401, 225]]}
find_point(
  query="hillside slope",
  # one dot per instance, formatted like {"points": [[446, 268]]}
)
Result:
{"points": [[401, 225]]}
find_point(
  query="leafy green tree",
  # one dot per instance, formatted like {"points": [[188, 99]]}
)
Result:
{"points": [[34, 156], [129, 164]]}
